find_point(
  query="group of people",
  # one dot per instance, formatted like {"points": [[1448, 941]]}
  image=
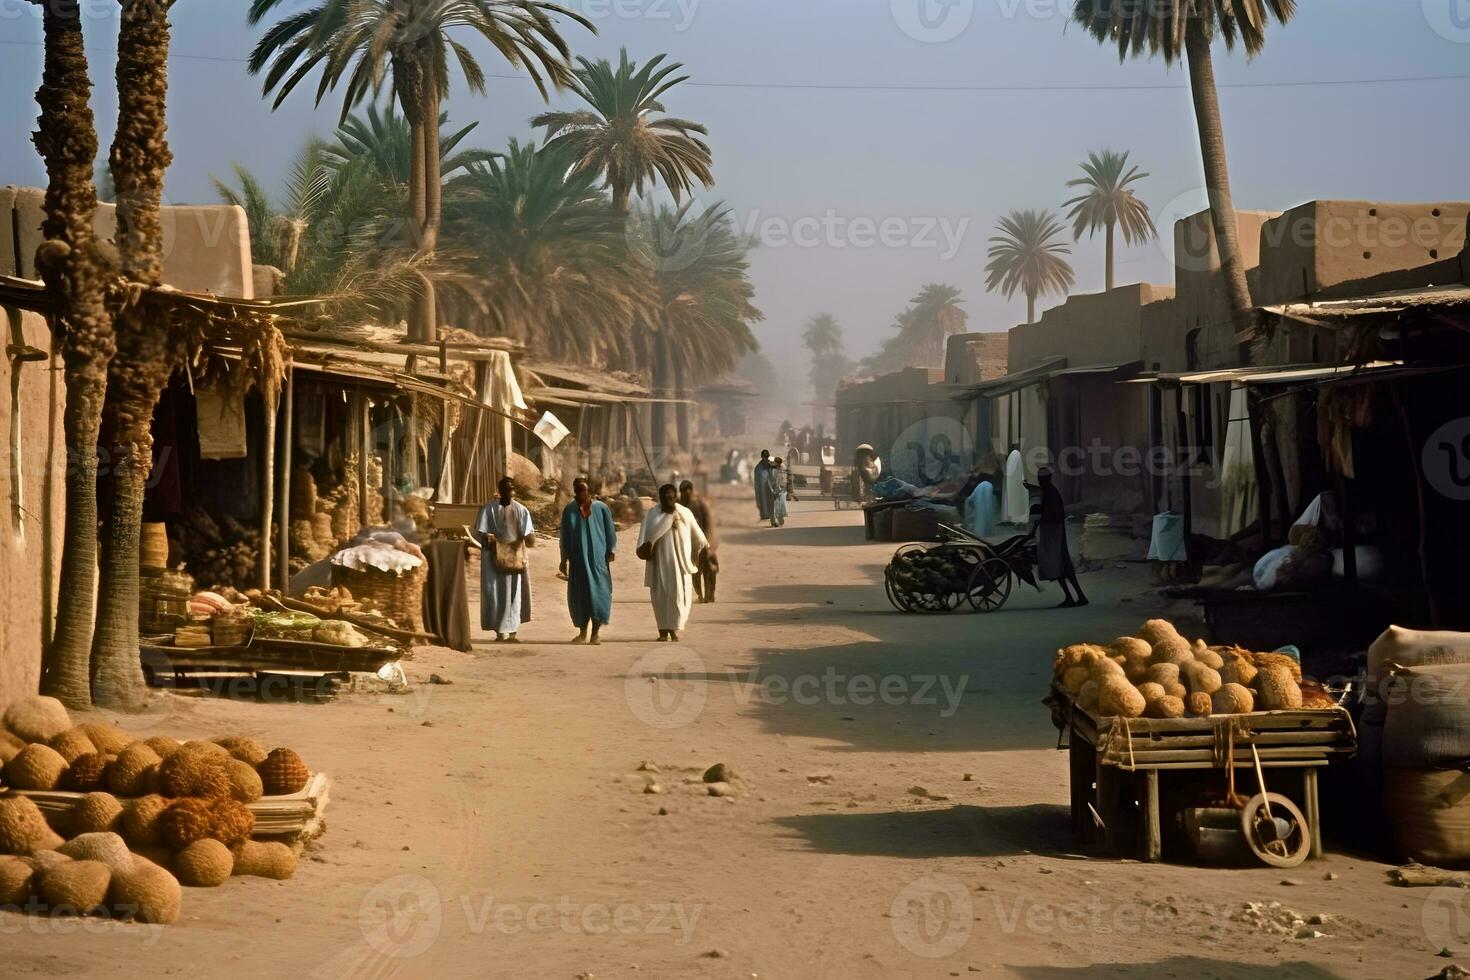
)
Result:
{"points": [[675, 543], [772, 489]]}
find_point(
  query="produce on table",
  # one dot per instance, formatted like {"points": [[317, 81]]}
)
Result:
{"points": [[195, 773], [109, 739], [140, 820], [72, 743], [23, 830], [243, 748], [36, 766], [163, 745], [203, 864], [193, 637], [205, 747], [231, 822], [210, 604], [134, 771], [9, 746], [283, 772], [185, 821], [338, 633], [96, 812], [37, 718], [245, 782], [1160, 674]]}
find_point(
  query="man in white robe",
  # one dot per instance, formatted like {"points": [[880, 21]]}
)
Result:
{"points": [[505, 593], [670, 543], [1017, 497]]}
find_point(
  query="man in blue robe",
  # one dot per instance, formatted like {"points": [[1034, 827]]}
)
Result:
{"points": [[589, 542], [765, 495]]}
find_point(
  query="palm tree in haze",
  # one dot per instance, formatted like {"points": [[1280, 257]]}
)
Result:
{"points": [[1026, 255], [361, 43], [623, 136], [822, 337], [1186, 29], [923, 328], [387, 139], [1109, 203]]}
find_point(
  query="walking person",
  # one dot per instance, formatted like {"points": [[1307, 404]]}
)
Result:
{"points": [[669, 543], [707, 566], [764, 498], [1053, 557], [781, 492], [504, 530], [589, 544]]}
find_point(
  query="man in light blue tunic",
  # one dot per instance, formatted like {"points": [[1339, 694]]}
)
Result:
{"points": [[504, 528], [589, 543]]}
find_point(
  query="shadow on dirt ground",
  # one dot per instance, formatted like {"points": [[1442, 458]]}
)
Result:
{"points": [[958, 831], [1188, 967]]}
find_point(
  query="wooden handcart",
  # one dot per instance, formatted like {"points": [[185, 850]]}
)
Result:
{"points": [[1108, 756]]}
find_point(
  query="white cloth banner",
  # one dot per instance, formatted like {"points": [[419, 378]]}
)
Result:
{"points": [[551, 431]]}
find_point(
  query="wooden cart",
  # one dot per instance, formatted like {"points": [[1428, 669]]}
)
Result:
{"points": [[1105, 753]]}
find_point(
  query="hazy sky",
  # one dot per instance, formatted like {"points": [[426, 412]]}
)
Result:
{"points": [[871, 144]]}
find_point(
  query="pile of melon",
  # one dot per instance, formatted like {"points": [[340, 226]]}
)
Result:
{"points": [[155, 814], [1157, 673]]}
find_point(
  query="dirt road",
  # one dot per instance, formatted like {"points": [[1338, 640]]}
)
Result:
{"points": [[898, 809]]}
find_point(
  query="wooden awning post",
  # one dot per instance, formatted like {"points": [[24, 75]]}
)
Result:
{"points": [[284, 574], [364, 440]]}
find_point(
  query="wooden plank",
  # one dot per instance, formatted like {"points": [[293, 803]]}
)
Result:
{"points": [[1247, 764], [1140, 759], [1313, 814], [1153, 840], [1314, 737]]}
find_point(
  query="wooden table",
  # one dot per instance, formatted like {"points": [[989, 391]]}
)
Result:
{"points": [[1101, 750]]}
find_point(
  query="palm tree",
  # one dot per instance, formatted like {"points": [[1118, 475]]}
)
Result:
{"points": [[1186, 28], [364, 41], [276, 235], [260, 214], [387, 139], [701, 273], [923, 328], [1108, 202], [145, 354], [622, 137], [76, 274], [822, 337], [1027, 255], [551, 262]]}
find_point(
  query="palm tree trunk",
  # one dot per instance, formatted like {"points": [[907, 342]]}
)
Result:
{"points": [[1110, 257], [1030, 307], [140, 155], [411, 82], [681, 411], [1217, 173], [662, 369], [75, 275]]}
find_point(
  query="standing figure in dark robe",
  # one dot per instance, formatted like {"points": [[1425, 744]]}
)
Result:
{"points": [[765, 495], [707, 565], [589, 543], [1053, 557]]}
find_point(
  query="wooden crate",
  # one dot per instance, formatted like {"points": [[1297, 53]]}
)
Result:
{"points": [[1106, 752], [298, 816]]}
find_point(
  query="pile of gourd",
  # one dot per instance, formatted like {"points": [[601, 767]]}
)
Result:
{"points": [[155, 814], [1157, 673], [938, 571]]}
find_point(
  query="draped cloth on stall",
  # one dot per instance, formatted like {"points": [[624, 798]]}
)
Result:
{"points": [[446, 603], [1240, 499]]}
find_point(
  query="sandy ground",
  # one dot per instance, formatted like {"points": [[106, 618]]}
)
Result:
{"points": [[499, 826]]}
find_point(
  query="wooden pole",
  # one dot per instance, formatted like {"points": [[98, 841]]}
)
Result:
{"points": [[364, 446], [268, 493], [284, 568]]}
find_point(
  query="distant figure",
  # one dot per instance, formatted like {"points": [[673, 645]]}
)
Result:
{"points": [[980, 508], [1053, 557], [707, 566], [589, 544], [780, 481], [669, 543], [764, 498], [1017, 497], [867, 468], [504, 529]]}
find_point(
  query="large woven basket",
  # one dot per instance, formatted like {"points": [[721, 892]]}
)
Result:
{"points": [[400, 597]]}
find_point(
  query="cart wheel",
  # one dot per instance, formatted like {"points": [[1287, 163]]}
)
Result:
{"points": [[1280, 840], [990, 585], [895, 595]]}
